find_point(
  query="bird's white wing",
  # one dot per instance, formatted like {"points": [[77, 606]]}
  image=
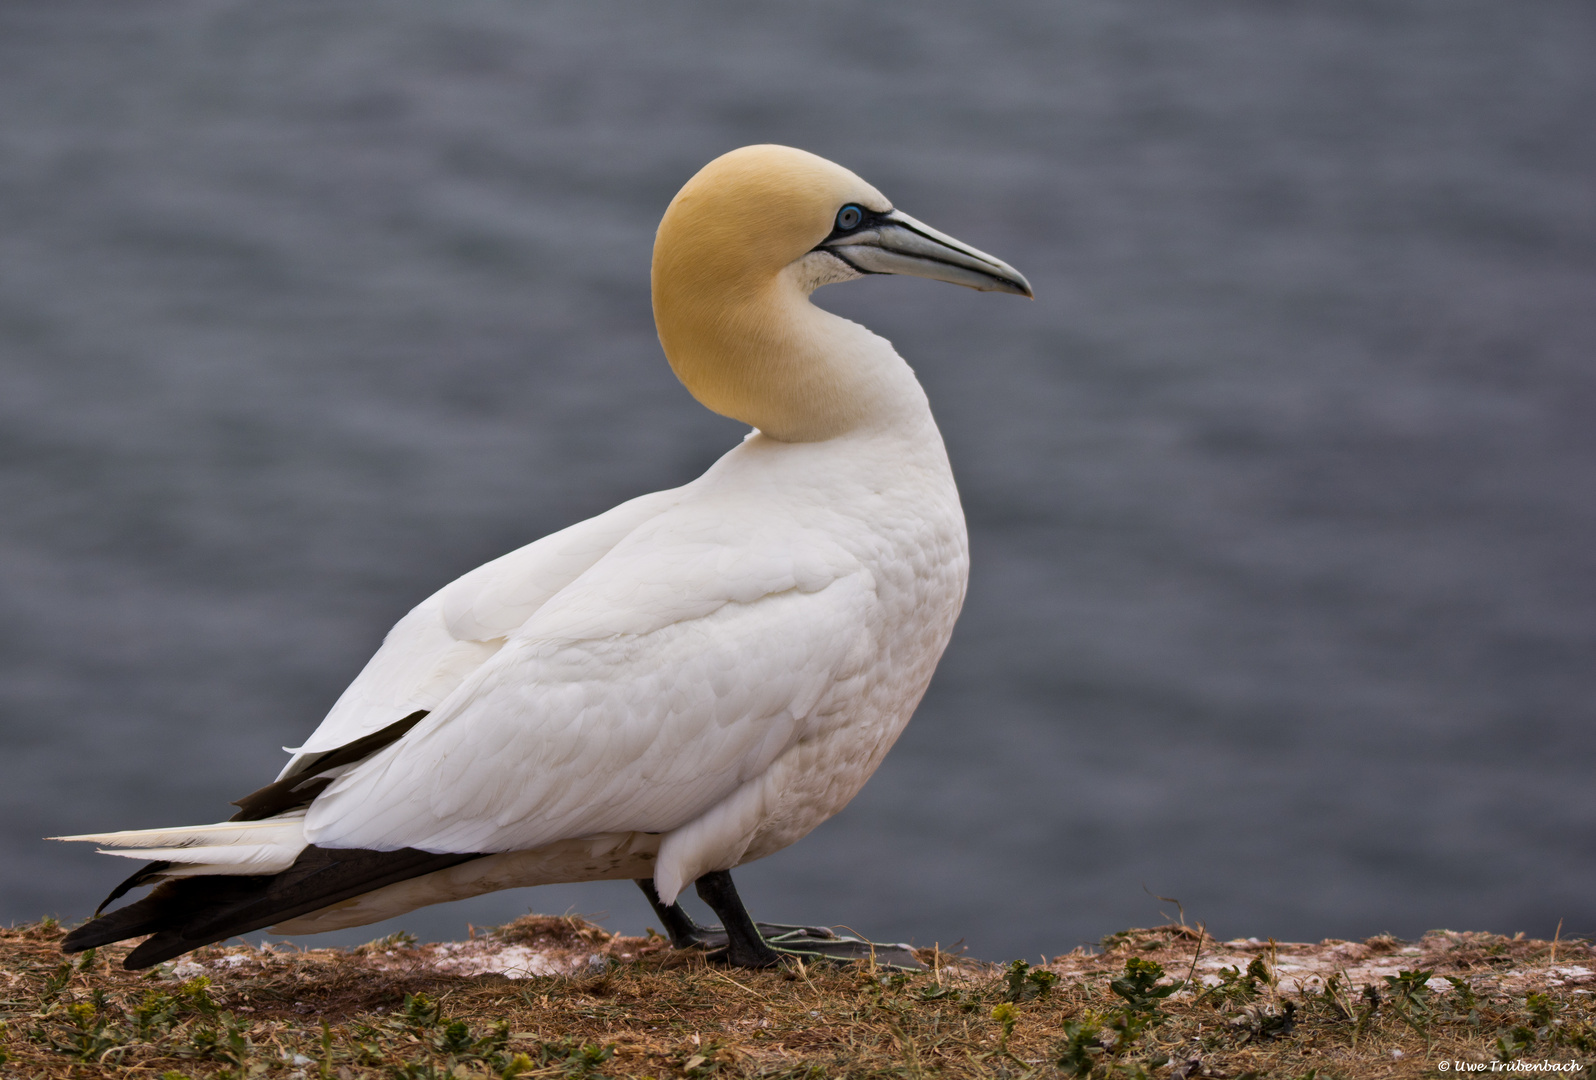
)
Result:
{"points": [[431, 651], [676, 669]]}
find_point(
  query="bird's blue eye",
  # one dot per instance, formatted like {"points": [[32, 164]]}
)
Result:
{"points": [[849, 217]]}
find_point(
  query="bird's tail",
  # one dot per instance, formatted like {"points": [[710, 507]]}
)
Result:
{"points": [[215, 881], [229, 847]]}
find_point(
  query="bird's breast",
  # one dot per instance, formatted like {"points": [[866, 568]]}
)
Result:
{"points": [[896, 510], [888, 500]]}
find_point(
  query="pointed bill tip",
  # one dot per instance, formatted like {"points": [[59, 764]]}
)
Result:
{"points": [[1016, 285], [895, 243]]}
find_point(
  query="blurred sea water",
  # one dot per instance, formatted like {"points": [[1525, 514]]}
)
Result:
{"points": [[1280, 494]]}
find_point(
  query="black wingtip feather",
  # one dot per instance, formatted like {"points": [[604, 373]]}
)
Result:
{"points": [[188, 913], [300, 787], [142, 876], [170, 902]]}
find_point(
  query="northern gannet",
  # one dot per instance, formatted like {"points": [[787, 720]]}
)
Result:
{"points": [[685, 683]]}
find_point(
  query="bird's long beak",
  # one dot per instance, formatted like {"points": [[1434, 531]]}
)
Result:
{"points": [[895, 243]]}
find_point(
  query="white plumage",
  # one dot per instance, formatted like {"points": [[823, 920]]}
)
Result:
{"points": [[700, 676]]}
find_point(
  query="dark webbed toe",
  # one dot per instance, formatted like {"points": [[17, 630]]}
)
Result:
{"points": [[757, 945]]}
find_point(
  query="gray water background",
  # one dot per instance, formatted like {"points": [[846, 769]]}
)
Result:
{"points": [[1281, 503]]}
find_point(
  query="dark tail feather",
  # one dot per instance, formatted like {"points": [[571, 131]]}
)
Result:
{"points": [[187, 913]]}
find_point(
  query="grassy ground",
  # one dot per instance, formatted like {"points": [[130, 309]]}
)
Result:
{"points": [[1167, 1002]]}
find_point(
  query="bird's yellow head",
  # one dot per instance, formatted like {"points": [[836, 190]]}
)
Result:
{"points": [[740, 248], [746, 216]]}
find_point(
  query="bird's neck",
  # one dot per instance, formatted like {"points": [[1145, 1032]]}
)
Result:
{"points": [[773, 360]]}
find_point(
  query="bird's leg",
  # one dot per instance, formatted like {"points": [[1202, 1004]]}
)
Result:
{"points": [[744, 947], [683, 931], [811, 943]]}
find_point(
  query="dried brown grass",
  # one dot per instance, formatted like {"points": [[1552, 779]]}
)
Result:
{"points": [[621, 1006]]}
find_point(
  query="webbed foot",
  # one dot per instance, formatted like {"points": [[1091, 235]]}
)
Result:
{"points": [[751, 944]]}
